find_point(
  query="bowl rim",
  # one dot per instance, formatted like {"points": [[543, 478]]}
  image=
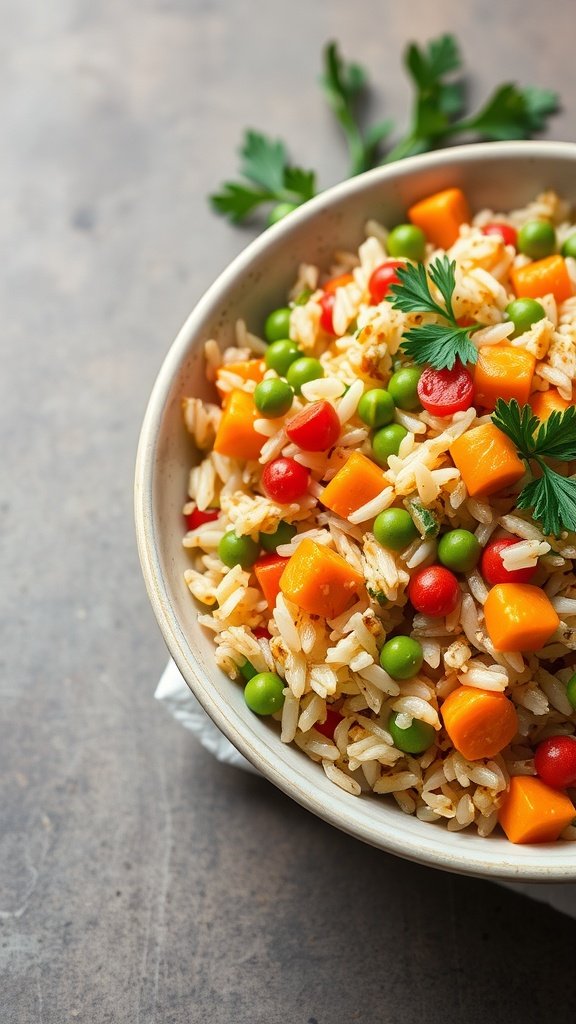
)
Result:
{"points": [[491, 861]]}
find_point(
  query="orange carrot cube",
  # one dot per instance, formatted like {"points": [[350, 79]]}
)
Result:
{"points": [[236, 436], [247, 369], [543, 403], [533, 812], [359, 481], [440, 216], [503, 371], [519, 617], [487, 460], [334, 283], [268, 572], [544, 277], [320, 581], [480, 723]]}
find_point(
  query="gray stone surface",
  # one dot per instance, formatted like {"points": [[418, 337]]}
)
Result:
{"points": [[139, 880]]}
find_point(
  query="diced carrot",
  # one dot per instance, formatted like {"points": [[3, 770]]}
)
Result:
{"points": [[480, 723], [337, 282], [533, 812], [268, 572], [441, 215], [320, 581], [247, 369], [544, 277], [487, 460], [543, 403], [236, 436], [519, 617], [357, 482], [503, 371]]}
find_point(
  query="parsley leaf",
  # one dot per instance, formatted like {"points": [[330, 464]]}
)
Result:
{"points": [[556, 437], [412, 294], [300, 182], [263, 161], [236, 201], [437, 101], [512, 113], [270, 176], [539, 105], [553, 500], [518, 422], [551, 495], [345, 86], [428, 66], [438, 344], [443, 274]]}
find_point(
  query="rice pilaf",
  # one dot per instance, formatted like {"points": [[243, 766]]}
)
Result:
{"points": [[339, 705]]}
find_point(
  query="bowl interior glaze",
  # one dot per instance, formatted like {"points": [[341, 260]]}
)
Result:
{"points": [[497, 175]]}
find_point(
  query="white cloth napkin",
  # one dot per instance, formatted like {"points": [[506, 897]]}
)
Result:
{"points": [[182, 704]]}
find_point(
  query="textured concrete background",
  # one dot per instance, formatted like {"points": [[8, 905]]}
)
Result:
{"points": [[139, 880]]}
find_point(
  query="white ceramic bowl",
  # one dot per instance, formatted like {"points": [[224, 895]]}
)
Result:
{"points": [[497, 175]]}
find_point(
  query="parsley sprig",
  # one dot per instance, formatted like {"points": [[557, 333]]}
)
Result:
{"points": [[551, 495], [270, 179], [439, 98], [440, 345], [511, 112], [346, 89], [438, 118]]}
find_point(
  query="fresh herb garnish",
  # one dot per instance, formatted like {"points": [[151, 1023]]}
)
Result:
{"points": [[551, 495], [511, 112], [437, 101], [345, 87], [438, 117], [440, 345], [270, 176]]}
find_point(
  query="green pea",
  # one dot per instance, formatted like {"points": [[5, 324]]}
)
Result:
{"points": [[403, 386], [277, 324], [247, 670], [280, 211], [569, 246], [537, 239], [302, 370], [273, 398], [234, 550], [263, 693], [401, 657], [523, 313], [282, 535], [281, 354], [408, 241], [394, 529], [386, 442], [376, 407], [413, 740], [571, 690], [459, 550]]}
